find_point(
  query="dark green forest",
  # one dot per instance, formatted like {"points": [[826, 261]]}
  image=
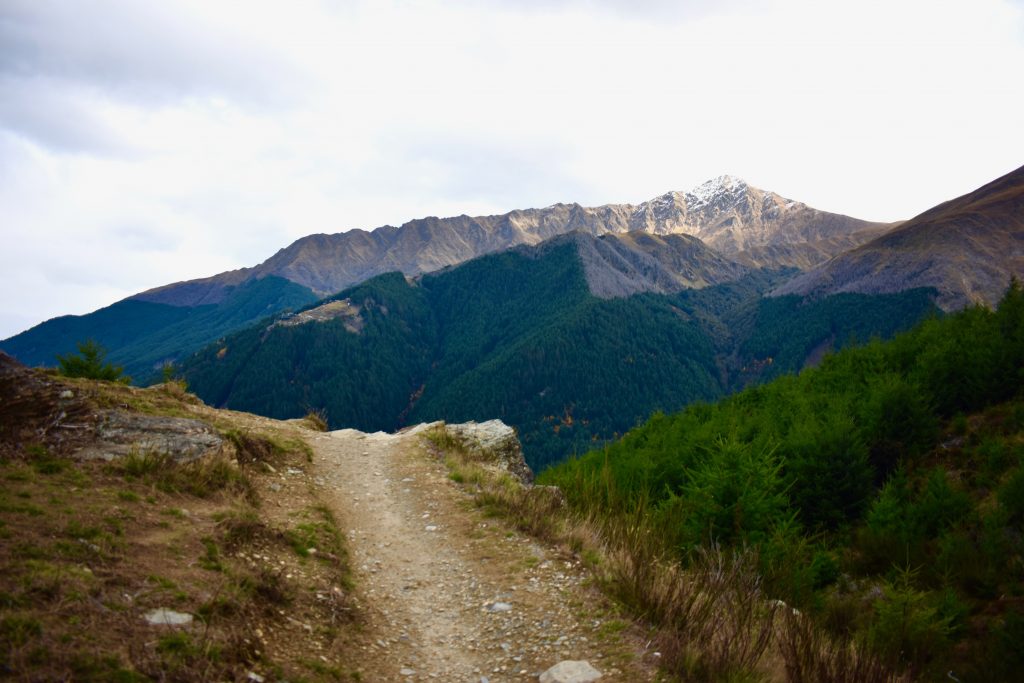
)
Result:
{"points": [[883, 490], [518, 336], [141, 335]]}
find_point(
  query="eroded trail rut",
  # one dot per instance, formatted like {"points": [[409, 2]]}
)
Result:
{"points": [[447, 593]]}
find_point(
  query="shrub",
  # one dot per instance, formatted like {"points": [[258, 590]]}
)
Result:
{"points": [[90, 363], [898, 421], [907, 626], [735, 494], [828, 470], [1011, 496]]}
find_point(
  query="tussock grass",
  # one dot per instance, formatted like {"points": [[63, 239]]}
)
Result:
{"points": [[316, 419], [203, 477], [811, 655]]}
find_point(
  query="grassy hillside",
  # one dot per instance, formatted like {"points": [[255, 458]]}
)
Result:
{"points": [[142, 336], [517, 336], [884, 490], [92, 552]]}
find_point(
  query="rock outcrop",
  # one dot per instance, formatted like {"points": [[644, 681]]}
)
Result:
{"points": [[183, 439], [496, 442]]}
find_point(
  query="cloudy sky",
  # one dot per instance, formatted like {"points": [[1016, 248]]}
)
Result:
{"points": [[146, 142]]}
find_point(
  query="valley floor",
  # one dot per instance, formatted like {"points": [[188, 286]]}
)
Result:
{"points": [[447, 593]]}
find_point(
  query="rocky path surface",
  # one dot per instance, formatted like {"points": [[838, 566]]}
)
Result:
{"points": [[449, 594]]}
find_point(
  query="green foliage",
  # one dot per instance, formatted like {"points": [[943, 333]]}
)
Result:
{"points": [[828, 470], [1011, 496], [908, 626], [896, 419], [733, 495], [90, 362], [885, 458]]}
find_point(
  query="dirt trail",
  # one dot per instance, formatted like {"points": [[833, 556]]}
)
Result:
{"points": [[447, 593]]}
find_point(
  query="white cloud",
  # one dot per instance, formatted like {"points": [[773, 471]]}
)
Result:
{"points": [[148, 142]]}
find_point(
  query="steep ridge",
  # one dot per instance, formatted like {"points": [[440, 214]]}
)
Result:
{"points": [[729, 215], [967, 249]]}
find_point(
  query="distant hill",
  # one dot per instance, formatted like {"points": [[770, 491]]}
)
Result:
{"points": [[521, 336], [967, 249], [143, 335]]}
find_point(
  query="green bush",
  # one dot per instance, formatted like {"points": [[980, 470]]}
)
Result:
{"points": [[828, 471], [734, 494], [908, 627], [90, 363], [897, 420], [1011, 496]]}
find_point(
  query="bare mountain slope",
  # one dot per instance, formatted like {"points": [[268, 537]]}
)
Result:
{"points": [[619, 265], [966, 248], [757, 227]]}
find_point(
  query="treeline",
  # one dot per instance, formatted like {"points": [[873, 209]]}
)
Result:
{"points": [[884, 489]]}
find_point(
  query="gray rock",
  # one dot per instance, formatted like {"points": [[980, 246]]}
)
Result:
{"points": [[120, 433], [494, 441], [499, 607], [166, 617], [570, 671]]}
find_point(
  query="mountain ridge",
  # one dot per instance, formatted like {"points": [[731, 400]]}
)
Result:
{"points": [[967, 249], [760, 228]]}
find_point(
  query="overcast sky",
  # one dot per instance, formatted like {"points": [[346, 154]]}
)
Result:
{"points": [[143, 143]]}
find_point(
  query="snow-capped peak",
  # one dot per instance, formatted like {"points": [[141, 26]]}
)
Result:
{"points": [[708, 192]]}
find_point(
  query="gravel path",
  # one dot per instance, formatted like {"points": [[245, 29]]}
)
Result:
{"points": [[449, 594]]}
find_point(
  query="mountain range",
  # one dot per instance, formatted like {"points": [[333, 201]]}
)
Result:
{"points": [[570, 323], [749, 227]]}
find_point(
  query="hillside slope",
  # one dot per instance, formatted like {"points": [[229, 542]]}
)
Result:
{"points": [[206, 545], [142, 335], [967, 249], [883, 494], [519, 336]]}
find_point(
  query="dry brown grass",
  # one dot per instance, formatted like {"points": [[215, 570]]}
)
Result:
{"points": [[811, 655]]}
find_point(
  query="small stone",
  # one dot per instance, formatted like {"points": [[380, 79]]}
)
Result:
{"points": [[499, 607], [430, 527], [165, 617], [67, 393], [407, 672], [255, 677], [274, 486], [570, 671]]}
